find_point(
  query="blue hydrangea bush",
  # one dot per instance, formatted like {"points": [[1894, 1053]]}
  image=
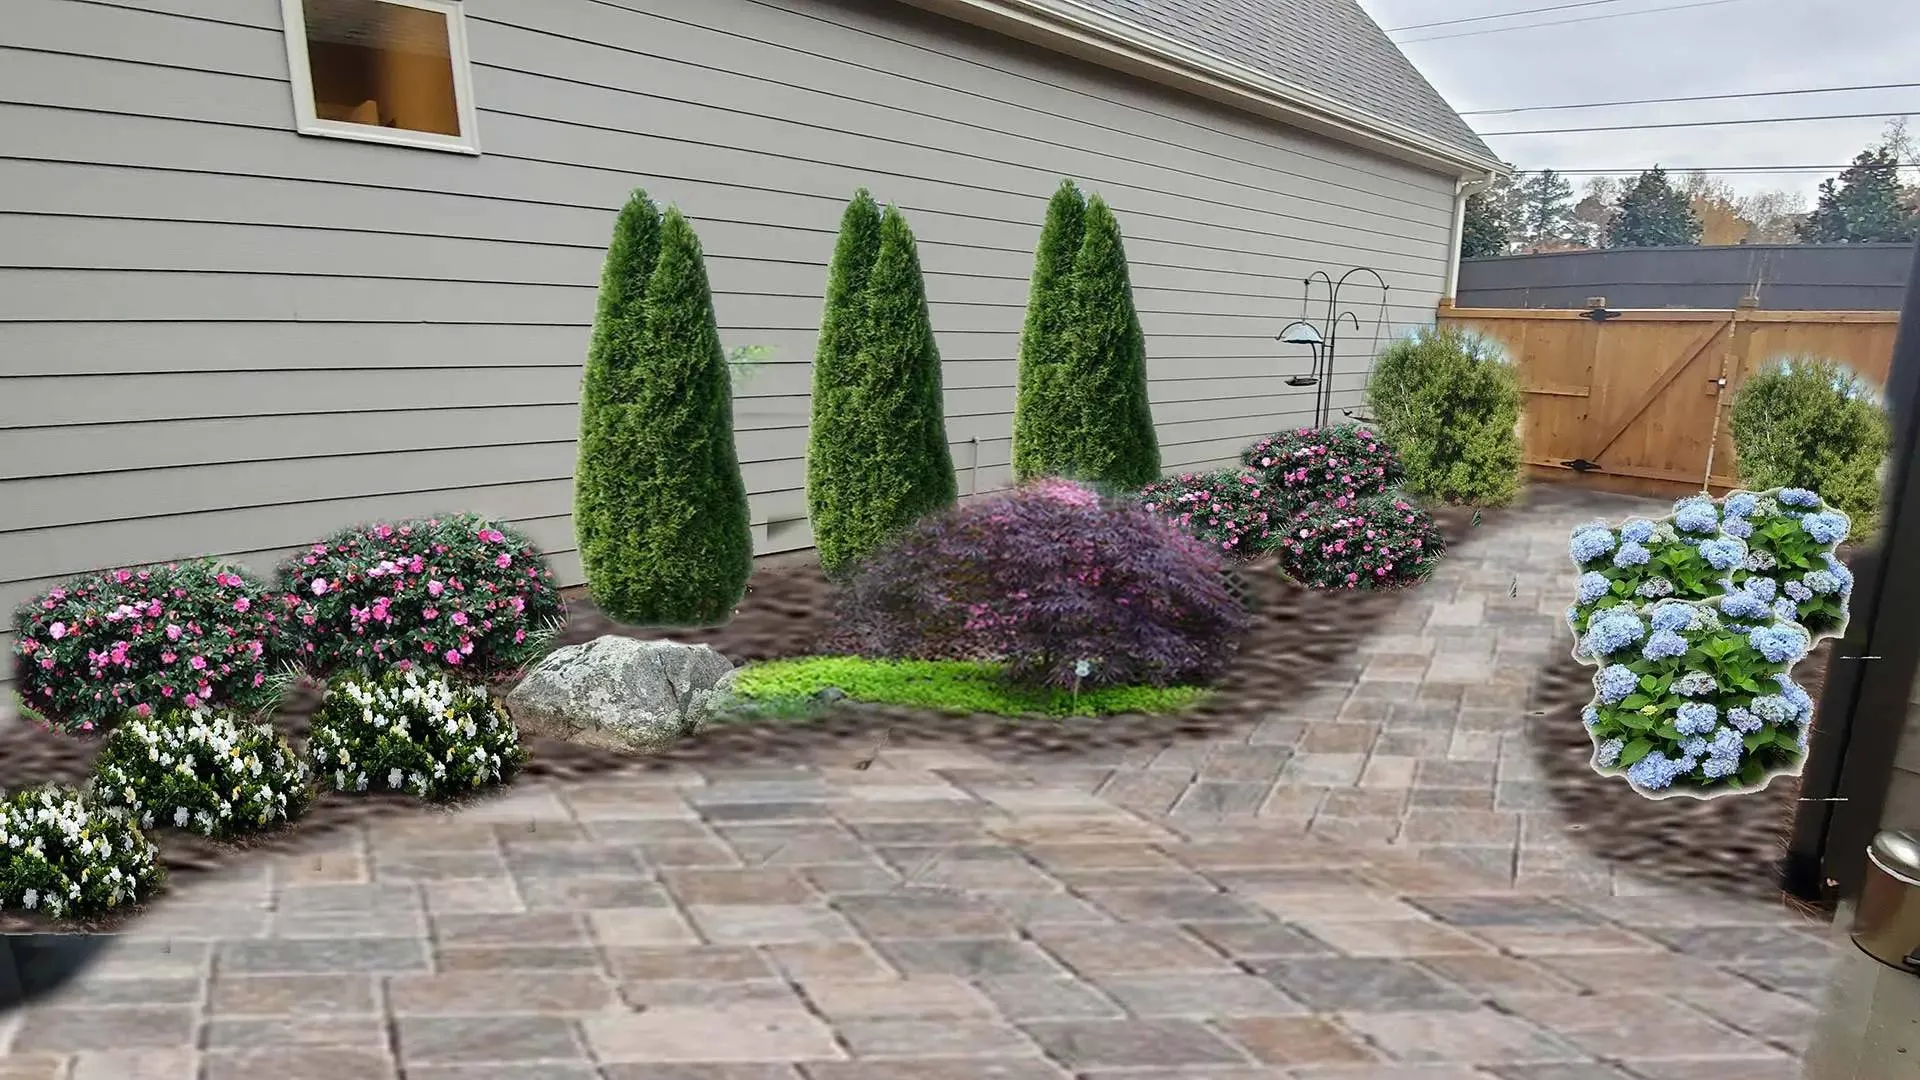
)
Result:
{"points": [[1695, 622]]}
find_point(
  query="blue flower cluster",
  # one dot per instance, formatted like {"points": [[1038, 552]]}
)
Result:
{"points": [[1638, 531], [1590, 543], [1741, 505], [1696, 718], [1695, 684], [1664, 645], [1781, 643], [1676, 616], [1631, 555], [1826, 527], [1696, 515], [1593, 586], [1654, 588], [1607, 754], [1613, 631], [1615, 682], [1723, 554], [1800, 497]]}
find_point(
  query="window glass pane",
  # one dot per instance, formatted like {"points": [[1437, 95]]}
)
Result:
{"points": [[385, 65]]}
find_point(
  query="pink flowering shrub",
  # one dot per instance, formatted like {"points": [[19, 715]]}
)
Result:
{"points": [[1231, 510], [1065, 587], [134, 641], [1376, 542], [1335, 465], [457, 593]]}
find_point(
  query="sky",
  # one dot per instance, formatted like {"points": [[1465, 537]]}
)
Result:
{"points": [[1732, 47]]}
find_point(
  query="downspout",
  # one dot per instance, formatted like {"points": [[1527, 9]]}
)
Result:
{"points": [[1462, 188]]}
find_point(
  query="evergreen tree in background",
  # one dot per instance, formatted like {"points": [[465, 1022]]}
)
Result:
{"points": [[1487, 230], [1042, 421], [1653, 214], [1865, 204], [834, 440], [682, 548], [605, 524], [1114, 443], [1546, 209]]}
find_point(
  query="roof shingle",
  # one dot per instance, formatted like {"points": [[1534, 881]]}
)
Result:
{"points": [[1330, 47]]}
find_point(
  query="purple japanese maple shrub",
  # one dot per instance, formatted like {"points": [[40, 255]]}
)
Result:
{"points": [[1375, 542], [1060, 584], [1335, 465]]}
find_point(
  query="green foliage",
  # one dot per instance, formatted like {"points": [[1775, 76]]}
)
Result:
{"points": [[668, 541], [832, 448], [202, 771], [879, 430], [1652, 213], [1545, 204], [63, 857], [1487, 229], [1813, 423], [1449, 405], [426, 736], [790, 686], [1042, 426], [1113, 441], [1865, 204]]}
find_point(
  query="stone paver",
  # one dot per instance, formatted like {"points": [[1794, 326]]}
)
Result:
{"points": [[1372, 884]]}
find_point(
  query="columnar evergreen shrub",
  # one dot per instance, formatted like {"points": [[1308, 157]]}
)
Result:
{"points": [[832, 452], [133, 641], [606, 524], [203, 771], [1064, 586], [424, 735], [61, 857], [885, 439], [458, 592], [1449, 405], [683, 550], [1813, 423], [1042, 414], [1695, 622], [1114, 443], [1230, 510], [1377, 541], [1335, 465]]}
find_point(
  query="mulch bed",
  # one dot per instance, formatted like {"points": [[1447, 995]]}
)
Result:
{"points": [[1733, 844], [1299, 638]]}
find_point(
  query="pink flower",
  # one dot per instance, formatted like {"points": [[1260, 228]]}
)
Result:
{"points": [[143, 709], [459, 618], [429, 614], [242, 604], [452, 657], [122, 576], [57, 631], [435, 588], [191, 701], [57, 593], [319, 549], [198, 663], [503, 561], [319, 586]]}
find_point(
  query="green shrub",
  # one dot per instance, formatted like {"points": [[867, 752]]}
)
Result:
{"points": [[1042, 427], [605, 524], [836, 410], [880, 426], [677, 546], [1812, 423], [791, 686], [201, 771], [424, 735], [1114, 443], [1449, 404], [62, 857]]}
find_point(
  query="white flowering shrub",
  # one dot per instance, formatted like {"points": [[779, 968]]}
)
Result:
{"points": [[1695, 622], [422, 734], [62, 857], [202, 771]]}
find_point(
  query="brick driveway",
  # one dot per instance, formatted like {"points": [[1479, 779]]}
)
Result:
{"points": [[1371, 885]]}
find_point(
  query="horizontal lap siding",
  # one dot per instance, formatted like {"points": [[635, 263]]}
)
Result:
{"points": [[220, 337]]}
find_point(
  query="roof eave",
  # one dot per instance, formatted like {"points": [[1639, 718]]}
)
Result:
{"points": [[1068, 27]]}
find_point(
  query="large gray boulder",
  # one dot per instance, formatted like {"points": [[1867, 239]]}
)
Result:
{"points": [[621, 693]]}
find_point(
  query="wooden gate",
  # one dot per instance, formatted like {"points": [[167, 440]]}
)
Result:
{"points": [[1636, 401]]}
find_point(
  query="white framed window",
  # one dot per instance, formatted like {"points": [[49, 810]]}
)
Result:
{"points": [[387, 71]]}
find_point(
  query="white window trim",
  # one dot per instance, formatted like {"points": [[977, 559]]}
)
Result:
{"points": [[307, 120]]}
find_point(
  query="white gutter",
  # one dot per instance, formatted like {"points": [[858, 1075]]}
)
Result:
{"points": [[1070, 27], [1462, 188]]}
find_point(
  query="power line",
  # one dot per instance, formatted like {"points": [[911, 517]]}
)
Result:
{"points": [[1698, 123], [1570, 22], [1501, 15], [1763, 170], [1694, 97]]}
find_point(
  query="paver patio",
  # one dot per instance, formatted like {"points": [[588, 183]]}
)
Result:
{"points": [[1372, 884]]}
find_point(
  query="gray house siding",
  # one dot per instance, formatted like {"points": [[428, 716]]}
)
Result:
{"points": [[224, 338]]}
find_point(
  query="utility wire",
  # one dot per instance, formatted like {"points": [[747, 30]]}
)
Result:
{"points": [[1569, 22], [1501, 15], [1763, 170], [1694, 97], [1699, 123]]}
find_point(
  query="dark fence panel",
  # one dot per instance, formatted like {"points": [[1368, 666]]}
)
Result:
{"points": [[1808, 277]]}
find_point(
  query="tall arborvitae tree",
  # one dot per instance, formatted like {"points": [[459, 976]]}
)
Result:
{"points": [[604, 522], [1652, 213], [1114, 444], [1041, 419], [684, 549], [833, 458]]}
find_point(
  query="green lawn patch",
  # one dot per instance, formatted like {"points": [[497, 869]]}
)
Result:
{"points": [[791, 687]]}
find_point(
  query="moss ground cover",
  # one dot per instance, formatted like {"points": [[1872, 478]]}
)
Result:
{"points": [[794, 688]]}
